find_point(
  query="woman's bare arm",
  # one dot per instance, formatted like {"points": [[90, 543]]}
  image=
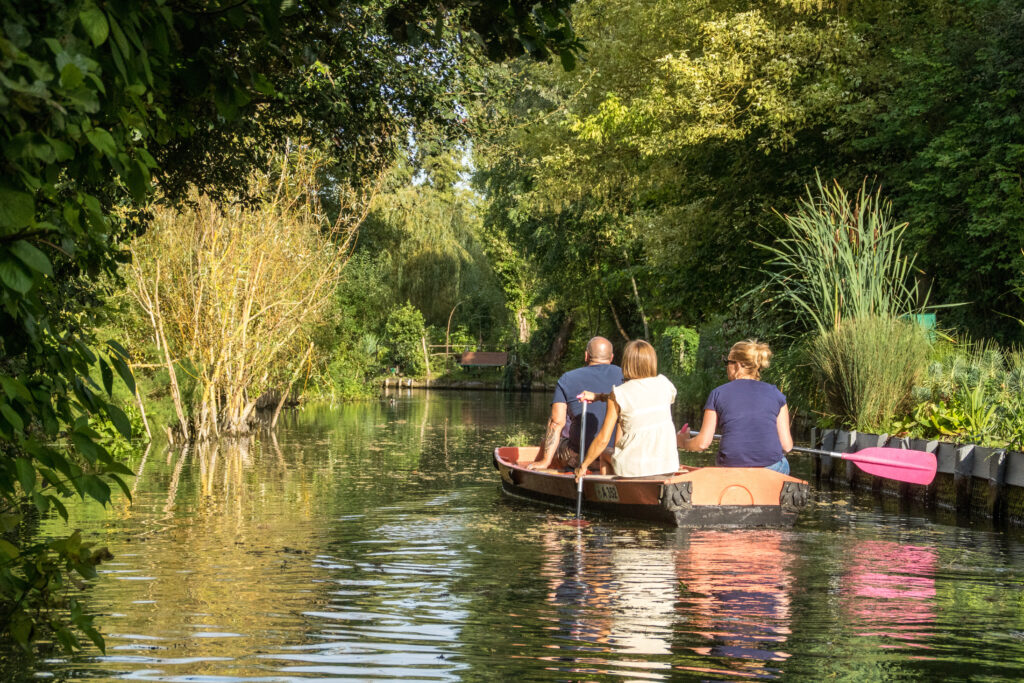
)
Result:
{"points": [[782, 424], [703, 438], [600, 441]]}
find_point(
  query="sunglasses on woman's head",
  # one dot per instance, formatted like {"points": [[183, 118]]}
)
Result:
{"points": [[728, 361]]}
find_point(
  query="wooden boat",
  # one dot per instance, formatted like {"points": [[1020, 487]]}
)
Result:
{"points": [[692, 497]]}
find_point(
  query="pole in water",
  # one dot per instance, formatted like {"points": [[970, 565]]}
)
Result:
{"points": [[583, 455]]}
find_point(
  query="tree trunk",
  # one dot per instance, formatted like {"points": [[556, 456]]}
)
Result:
{"points": [[524, 325], [142, 411], [287, 389], [426, 356], [561, 341], [618, 324], [636, 295]]}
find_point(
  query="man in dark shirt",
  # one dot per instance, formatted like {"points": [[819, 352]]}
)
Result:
{"points": [[561, 445]]}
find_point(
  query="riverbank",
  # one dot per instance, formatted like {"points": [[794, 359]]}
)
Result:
{"points": [[390, 383]]}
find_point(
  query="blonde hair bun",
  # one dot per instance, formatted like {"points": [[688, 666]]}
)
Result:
{"points": [[753, 355]]}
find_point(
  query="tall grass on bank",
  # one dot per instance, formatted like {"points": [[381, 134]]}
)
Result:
{"points": [[869, 367], [842, 259]]}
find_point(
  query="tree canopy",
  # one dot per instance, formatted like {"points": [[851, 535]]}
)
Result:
{"points": [[690, 127]]}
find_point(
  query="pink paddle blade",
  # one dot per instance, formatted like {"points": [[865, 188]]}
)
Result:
{"points": [[913, 467]]}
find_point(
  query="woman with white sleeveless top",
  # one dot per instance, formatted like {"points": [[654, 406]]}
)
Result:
{"points": [[642, 409]]}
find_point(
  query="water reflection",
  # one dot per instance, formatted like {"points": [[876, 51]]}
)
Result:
{"points": [[738, 589], [890, 592], [723, 595], [372, 542]]}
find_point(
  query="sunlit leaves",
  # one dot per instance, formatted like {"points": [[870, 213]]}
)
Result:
{"points": [[95, 24], [32, 257], [96, 98]]}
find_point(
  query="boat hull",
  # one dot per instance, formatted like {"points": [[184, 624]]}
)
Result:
{"points": [[691, 497]]}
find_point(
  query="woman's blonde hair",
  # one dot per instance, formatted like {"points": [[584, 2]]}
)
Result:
{"points": [[639, 360], [753, 356]]}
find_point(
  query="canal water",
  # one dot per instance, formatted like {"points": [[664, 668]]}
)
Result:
{"points": [[372, 542]]}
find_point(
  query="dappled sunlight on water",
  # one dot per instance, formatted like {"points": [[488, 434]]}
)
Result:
{"points": [[373, 542]]}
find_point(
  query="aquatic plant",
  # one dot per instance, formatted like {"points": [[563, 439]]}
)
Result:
{"points": [[972, 391], [842, 259]]}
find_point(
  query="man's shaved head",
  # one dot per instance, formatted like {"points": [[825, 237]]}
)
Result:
{"points": [[599, 350]]}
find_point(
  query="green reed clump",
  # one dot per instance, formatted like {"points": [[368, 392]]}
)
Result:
{"points": [[842, 259], [868, 368]]}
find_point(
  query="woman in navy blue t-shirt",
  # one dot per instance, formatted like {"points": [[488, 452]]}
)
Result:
{"points": [[751, 415]]}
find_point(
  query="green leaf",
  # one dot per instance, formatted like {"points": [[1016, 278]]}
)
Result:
{"points": [[14, 277], [568, 60], [124, 371], [95, 24], [116, 346], [15, 389], [16, 208], [95, 637], [9, 521], [32, 257], [136, 176], [262, 84], [8, 550], [116, 467], [26, 474], [67, 639], [41, 502], [12, 417], [71, 76], [108, 377], [120, 420], [21, 627], [96, 488], [124, 487], [85, 446], [103, 141], [59, 506]]}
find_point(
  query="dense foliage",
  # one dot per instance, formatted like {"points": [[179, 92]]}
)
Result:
{"points": [[100, 102], [662, 162], [624, 197]]}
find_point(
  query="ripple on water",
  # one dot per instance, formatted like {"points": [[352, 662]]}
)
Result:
{"points": [[332, 554]]}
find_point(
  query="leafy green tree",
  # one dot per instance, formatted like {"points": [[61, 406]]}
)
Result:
{"points": [[937, 120], [661, 164], [637, 182]]}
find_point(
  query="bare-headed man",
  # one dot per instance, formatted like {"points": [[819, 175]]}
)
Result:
{"points": [[561, 445]]}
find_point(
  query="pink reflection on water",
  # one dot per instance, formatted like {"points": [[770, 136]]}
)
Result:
{"points": [[740, 582], [889, 590]]}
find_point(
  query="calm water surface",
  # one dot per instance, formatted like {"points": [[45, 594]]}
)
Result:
{"points": [[372, 542]]}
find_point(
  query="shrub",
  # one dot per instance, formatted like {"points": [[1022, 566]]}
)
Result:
{"points": [[677, 351], [971, 392], [403, 334]]}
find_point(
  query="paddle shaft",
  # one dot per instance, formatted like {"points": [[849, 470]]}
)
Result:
{"points": [[809, 451], [914, 467], [583, 454]]}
